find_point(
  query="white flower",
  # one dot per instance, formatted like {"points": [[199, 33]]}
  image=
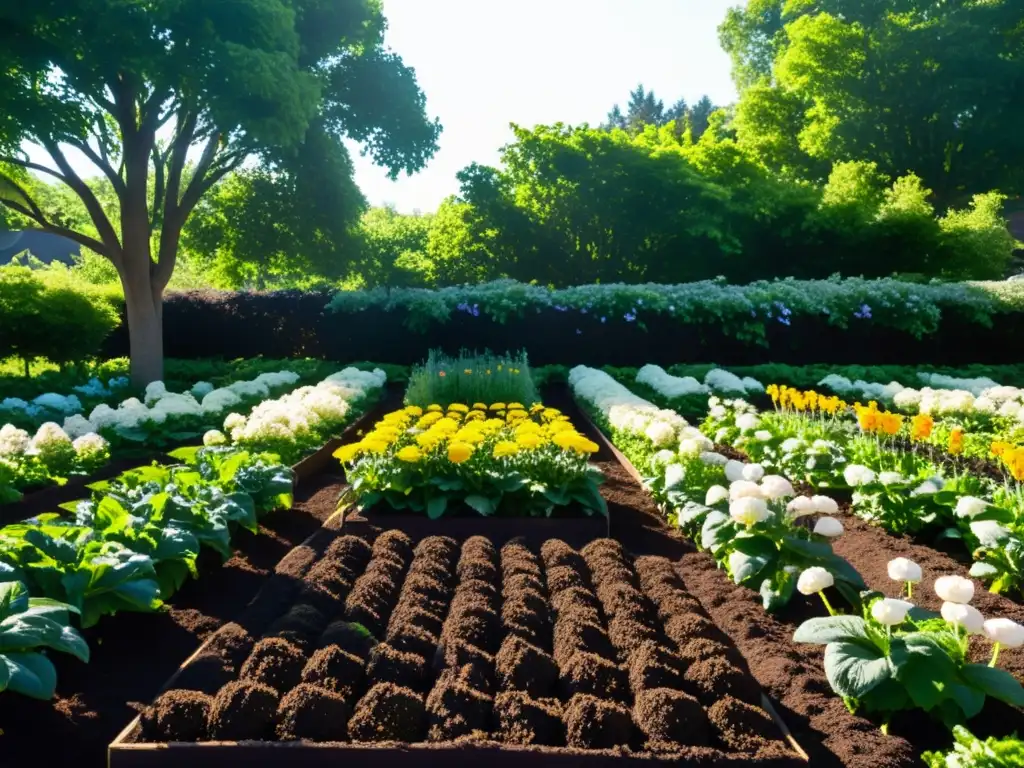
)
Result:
{"points": [[963, 615], [928, 487], [713, 459], [814, 580], [1007, 633], [740, 489], [890, 611], [749, 510], [825, 505], [856, 475], [13, 441], [984, 405], [674, 475], [970, 506], [90, 446], [78, 425], [828, 527], [715, 494], [718, 412], [753, 472], [660, 459], [721, 434], [55, 402], [721, 380], [747, 422], [776, 487], [200, 389], [902, 569], [214, 437], [800, 506], [234, 421], [690, 447], [890, 478], [763, 435], [219, 400], [660, 433], [48, 437], [154, 391], [791, 444], [733, 470], [954, 589], [989, 532]]}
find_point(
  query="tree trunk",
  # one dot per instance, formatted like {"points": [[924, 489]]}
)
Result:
{"points": [[144, 306]]}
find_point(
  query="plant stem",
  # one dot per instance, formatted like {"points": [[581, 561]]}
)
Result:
{"points": [[995, 655], [827, 605], [910, 589]]}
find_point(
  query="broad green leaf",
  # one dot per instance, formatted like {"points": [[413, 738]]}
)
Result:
{"points": [[13, 598], [832, 629], [969, 699], [853, 669], [30, 674], [187, 454], [436, 507], [718, 529], [481, 504], [750, 556], [995, 682]]}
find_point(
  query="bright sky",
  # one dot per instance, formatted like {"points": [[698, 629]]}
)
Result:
{"points": [[484, 64]]}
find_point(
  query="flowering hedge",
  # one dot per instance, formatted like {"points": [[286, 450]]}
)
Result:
{"points": [[825, 321]]}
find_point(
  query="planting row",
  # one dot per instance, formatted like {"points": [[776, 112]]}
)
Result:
{"points": [[287, 426], [886, 655], [433, 641]]}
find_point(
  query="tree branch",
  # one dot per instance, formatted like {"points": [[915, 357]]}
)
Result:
{"points": [[31, 210], [100, 163], [92, 205], [158, 187]]}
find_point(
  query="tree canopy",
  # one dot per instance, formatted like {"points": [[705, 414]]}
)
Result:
{"points": [[184, 93]]}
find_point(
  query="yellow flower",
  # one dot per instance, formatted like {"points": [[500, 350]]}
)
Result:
{"points": [[435, 408], [516, 407], [505, 448], [921, 426], [529, 441], [572, 441], [459, 452], [479, 406], [413, 410], [447, 426], [536, 408], [468, 434], [374, 446], [550, 414], [348, 452], [555, 427], [453, 415], [428, 420], [497, 407], [528, 428], [458, 407], [474, 415], [514, 416], [430, 439], [410, 454], [956, 441]]}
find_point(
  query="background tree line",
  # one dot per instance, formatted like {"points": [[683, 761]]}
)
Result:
{"points": [[869, 138]]}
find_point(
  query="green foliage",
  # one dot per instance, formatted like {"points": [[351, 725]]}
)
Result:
{"points": [[49, 320], [471, 378], [919, 664], [971, 752], [28, 626]]}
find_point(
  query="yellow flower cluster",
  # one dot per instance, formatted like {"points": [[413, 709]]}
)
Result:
{"points": [[789, 398], [874, 421], [463, 430], [1012, 456], [921, 427]]}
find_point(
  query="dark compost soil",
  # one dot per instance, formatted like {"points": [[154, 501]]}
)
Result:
{"points": [[133, 654]]}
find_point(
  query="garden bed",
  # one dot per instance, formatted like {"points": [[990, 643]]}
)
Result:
{"points": [[564, 655], [132, 654]]}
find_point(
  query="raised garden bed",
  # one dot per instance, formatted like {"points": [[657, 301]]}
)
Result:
{"points": [[485, 652]]}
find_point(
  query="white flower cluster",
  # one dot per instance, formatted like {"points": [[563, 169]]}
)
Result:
{"points": [[629, 413], [49, 441], [975, 386], [667, 385], [52, 403], [864, 390], [303, 412], [161, 405], [721, 380]]}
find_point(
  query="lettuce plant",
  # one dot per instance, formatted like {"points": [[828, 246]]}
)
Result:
{"points": [[28, 627], [971, 752], [901, 657]]}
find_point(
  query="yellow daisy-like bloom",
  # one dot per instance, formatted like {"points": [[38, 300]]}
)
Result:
{"points": [[474, 415], [468, 435], [459, 452], [516, 407], [348, 452], [446, 426], [505, 448], [435, 408], [453, 415], [430, 439], [385, 432], [529, 441], [528, 428], [571, 441], [514, 416], [458, 407], [410, 454], [550, 414], [500, 415], [536, 408], [413, 410], [497, 407], [397, 419], [375, 446], [555, 427], [428, 420], [479, 406]]}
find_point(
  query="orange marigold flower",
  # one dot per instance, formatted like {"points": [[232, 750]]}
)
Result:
{"points": [[956, 441], [921, 426]]}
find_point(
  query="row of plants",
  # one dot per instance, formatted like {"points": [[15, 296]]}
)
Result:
{"points": [[128, 547], [473, 436], [885, 655]]}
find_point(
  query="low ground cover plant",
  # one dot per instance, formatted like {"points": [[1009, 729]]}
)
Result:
{"points": [[498, 459]]}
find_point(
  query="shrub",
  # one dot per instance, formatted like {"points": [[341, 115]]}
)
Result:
{"points": [[471, 378]]}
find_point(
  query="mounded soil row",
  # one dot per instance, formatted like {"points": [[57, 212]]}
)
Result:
{"points": [[439, 642]]}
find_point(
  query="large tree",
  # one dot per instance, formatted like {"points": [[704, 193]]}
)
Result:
{"points": [[185, 91], [928, 86]]}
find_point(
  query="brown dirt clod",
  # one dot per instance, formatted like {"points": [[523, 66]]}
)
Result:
{"points": [[670, 716], [594, 675], [243, 709], [313, 713], [593, 723], [181, 716], [455, 708], [388, 713], [389, 665], [336, 670], [274, 662], [520, 666], [711, 679], [522, 720], [741, 726]]}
